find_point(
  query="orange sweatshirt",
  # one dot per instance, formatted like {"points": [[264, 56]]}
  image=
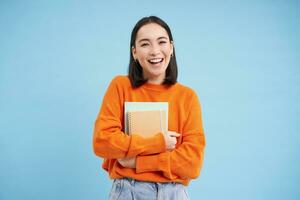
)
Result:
{"points": [[153, 162]]}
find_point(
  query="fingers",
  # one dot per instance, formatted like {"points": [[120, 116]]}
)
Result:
{"points": [[172, 142], [173, 134], [171, 139]]}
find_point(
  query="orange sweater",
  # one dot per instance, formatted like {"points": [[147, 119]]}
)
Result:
{"points": [[153, 162]]}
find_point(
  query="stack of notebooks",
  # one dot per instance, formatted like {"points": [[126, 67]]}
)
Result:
{"points": [[146, 118]]}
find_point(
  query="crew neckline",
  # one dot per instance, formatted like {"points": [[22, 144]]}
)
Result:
{"points": [[158, 87]]}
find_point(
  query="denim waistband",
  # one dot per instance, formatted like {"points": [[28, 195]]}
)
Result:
{"points": [[129, 188]]}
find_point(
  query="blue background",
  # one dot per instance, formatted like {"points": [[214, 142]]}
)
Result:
{"points": [[58, 57]]}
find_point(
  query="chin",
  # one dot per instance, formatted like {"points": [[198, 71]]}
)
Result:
{"points": [[156, 72]]}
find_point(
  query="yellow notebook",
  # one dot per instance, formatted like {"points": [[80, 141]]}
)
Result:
{"points": [[145, 106], [146, 123]]}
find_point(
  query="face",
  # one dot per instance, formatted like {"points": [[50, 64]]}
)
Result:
{"points": [[153, 51]]}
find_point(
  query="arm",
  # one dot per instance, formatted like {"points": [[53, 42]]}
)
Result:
{"points": [[185, 161], [109, 141], [170, 139]]}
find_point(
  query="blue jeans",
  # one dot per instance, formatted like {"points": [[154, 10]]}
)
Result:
{"points": [[130, 189]]}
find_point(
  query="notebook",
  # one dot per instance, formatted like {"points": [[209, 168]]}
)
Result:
{"points": [[153, 115], [146, 123]]}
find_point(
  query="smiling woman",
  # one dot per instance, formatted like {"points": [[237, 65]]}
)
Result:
{"points": [[160, 166], [153, 50], [151, 40]]}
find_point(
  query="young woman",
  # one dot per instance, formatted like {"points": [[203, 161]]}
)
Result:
{"points": [[158, 167]]}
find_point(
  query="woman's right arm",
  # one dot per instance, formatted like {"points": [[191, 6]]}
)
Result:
{"points": [[109, 141]]}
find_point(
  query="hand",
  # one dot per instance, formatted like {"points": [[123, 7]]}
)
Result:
{"points": [[170, 139], [127, 162]]}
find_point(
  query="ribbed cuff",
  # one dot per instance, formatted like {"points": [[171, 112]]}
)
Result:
{"points": [[158, 162], [146, 146], [155, 144]]}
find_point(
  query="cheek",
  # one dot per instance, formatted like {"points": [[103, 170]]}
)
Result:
{"points": [[142, 55], [167, 51]]}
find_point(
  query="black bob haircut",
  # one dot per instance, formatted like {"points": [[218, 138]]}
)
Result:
{"points": [[135, 71]]}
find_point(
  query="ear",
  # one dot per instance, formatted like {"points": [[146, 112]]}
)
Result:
{"points": [[172, 47], [133, 50]]}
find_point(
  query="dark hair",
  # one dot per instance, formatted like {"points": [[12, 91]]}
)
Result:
{"points": [[135, 71]]}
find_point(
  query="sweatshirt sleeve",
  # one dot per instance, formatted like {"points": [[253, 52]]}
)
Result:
{"points": [[186, 160], [109, 141]]}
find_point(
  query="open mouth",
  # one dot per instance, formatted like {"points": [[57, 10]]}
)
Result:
{"points": [[155, 60]]}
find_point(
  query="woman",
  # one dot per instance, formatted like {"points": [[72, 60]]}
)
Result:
{"points": [[157, 167]]}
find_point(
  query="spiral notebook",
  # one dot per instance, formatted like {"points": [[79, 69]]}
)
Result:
{"points": [[146, 123], [146, 118]]}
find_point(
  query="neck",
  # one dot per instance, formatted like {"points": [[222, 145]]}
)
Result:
{"points": [[157, 80]]}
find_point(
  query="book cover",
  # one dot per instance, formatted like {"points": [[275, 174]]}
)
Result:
{"points": [[146, 123], [145, 106]]}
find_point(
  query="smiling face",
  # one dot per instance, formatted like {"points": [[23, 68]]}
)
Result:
{"points": [[153, 50]]}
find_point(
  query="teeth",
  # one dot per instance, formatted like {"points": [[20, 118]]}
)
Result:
{"points": [[156, 60]]}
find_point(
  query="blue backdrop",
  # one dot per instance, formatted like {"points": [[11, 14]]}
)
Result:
{"points": [[58, 57]]}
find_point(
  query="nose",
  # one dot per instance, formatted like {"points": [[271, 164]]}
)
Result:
{"points": [[154, 50]]}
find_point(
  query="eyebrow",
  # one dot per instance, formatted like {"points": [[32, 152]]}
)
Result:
{"points": [[145, 39]]}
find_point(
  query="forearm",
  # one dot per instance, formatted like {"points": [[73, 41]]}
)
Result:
{"points": [[112, 143], [184, 162]]}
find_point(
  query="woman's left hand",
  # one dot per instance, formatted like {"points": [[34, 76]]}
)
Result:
{"points": [[127, 162]]}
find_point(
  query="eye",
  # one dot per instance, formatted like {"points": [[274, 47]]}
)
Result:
{"points": [[144, 44], [162, 42]]}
